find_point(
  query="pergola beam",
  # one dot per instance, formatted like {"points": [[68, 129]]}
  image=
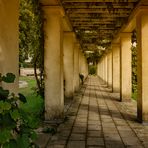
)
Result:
{"points": [[91, 1]]}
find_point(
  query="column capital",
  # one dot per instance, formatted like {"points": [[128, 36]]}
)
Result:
{"points": [[125, 34], [54, 10], [115, 45], [70, 33], [142, 9]]}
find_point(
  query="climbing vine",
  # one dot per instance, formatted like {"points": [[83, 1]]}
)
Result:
{"points": [[31, 38], [134, 66]]}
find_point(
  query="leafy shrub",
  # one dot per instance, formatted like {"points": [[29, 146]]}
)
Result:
{"points": [[92, 69], [15, 130]]}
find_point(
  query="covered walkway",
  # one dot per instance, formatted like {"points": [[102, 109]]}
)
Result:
{"points": [[98, 119], [100, 116]]}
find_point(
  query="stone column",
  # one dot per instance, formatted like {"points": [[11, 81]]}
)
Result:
{"points": [[9, 41], [80, 62], [54, 96], [105, 69], [98, 69], [116, 67], [126, 68], [142, 38], [102, 69], [69, 39], [83, 65], [109, 65], [76, 66]]}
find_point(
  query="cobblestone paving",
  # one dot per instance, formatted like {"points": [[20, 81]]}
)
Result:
{"points": [[97, 119]]}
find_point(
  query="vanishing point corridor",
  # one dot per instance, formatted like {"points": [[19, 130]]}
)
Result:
{"points": [[96, 119]]}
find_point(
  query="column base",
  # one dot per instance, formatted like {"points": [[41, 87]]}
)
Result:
{"points": [[142, 118], [54, 112]]}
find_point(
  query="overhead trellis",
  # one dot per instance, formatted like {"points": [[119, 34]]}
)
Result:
{"points": [[95, 22]]}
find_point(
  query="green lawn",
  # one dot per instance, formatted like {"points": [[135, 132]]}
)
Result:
{"points": [[35, 104], [31, 84]]}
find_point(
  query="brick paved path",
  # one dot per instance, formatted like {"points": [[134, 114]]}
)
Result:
{"points": [[98, 120]]}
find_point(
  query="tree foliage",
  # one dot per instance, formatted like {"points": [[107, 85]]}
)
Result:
{"points": [[93, 57], [134, 64], [31, 38]]}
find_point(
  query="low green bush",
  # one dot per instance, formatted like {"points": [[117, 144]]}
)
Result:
{"points": [[92, 69]]}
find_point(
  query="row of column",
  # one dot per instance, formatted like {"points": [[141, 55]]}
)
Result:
{"points": [[115, 67], [63, 57], [104, 68], [74, 64], [62, 63]]}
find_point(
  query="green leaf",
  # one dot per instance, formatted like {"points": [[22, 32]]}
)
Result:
{"points": [[10, 144], [7, 106], [7, 121], [5, 136], [9, 78], [4, 106], [3, 93], [15, 114], [22, 98], [33, 135], [23, 141]]}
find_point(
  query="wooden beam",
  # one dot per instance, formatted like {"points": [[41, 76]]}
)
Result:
{"points": [[104, 10], [96, 6], [98, 15], [107, 1]]}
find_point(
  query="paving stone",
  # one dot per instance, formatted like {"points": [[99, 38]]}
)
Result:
{"points": [[110, 130], [64, 133], [58, 142], [124, 128], [135, 146], [127, 133], [77, 137], [98, 122], [94, 127], [95, 133], [95, 141], [76, 144], [80, 124], [95, 147], [81, 120], [114, 145], [58, 137], [108, 125], [112, 137], [56, 146], [131, 141], [42, 139], [79, 130]]}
